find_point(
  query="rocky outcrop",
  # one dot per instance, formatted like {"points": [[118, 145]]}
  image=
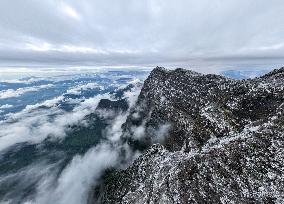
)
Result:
{"points": [[219, 141], [118, 105]]}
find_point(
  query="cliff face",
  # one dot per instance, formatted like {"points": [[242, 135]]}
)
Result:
{"points": [[219, 141]]}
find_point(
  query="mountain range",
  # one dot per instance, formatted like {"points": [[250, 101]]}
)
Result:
{"points": [[202, 139]]}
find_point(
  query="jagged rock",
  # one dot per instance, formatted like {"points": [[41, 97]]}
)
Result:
{"points": [[200, 107], [118, 105], [225, 143]]}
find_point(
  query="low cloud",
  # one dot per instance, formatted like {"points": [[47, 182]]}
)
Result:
{"points": [[86, 170], [10, 93], [73, 184], [6, 106], [78, 89], [78, 177], [33, 124], [161, 133]]}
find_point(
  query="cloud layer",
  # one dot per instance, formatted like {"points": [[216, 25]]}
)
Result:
{"points": [[53, 181], [142, 33], [9, 93]]}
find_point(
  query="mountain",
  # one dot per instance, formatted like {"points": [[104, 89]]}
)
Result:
{"points": [[204, 139], [244, 74]]}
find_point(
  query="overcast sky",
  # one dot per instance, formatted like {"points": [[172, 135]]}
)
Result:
{"points": [[141, 32]]}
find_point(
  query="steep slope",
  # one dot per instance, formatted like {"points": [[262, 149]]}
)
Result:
{"points": [[200, 107], [221, 141]]}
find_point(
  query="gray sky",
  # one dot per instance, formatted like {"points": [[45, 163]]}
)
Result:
{"points": [[141, 32]]}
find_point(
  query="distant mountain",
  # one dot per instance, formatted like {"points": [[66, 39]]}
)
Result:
{"points": [[205, 139], [243, 74]]}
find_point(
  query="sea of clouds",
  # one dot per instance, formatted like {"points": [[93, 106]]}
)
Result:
{"points": [[40, 180]]}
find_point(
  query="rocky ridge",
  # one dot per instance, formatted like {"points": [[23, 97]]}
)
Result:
{"points": [[206, 139]]}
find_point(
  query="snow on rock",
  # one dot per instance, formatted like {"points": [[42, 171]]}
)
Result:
{"points": [[224, 144]]}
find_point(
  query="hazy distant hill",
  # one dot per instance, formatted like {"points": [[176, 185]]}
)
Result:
{"points": [[243, 74]]}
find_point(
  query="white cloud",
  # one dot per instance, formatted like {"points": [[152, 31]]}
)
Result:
{"points": [[9, 93], [34, 125], [77, 90], [47, 47], [139, 132], [24, 177], [71, 12], [6, 106], [78, 177], [133, 94], [161, 133]]}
